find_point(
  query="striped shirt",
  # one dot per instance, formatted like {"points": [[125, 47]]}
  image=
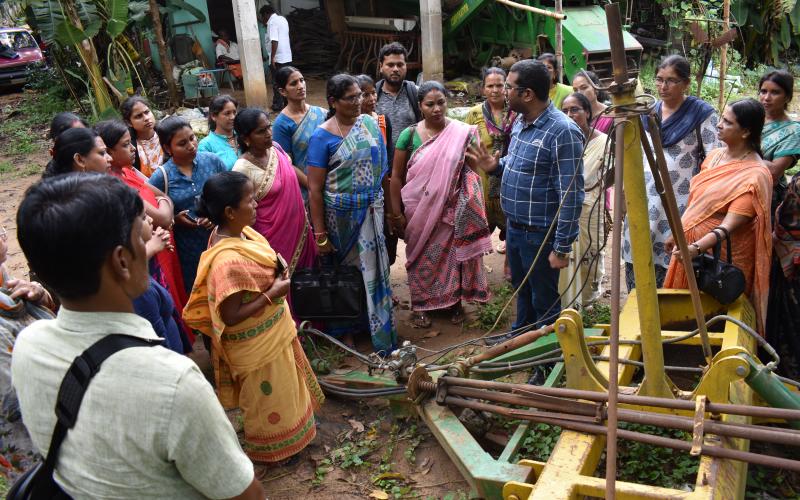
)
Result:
{"points": [[543, 165]]}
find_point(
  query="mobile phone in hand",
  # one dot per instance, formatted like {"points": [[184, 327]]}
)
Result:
{"points": [[280, 265]]}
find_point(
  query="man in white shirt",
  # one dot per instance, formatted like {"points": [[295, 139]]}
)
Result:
{"points": [[149, 425], [278, 46], [226, 50]]}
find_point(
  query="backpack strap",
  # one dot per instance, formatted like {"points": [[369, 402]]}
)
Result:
{"points": [[73, 387], [413, 98]]}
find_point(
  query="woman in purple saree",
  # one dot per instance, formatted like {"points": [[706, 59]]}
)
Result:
{"points": [[280, 215]]}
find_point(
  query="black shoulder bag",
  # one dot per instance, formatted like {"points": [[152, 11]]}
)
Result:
{"points": [[37, 483], [722, 280], [330, 292]]}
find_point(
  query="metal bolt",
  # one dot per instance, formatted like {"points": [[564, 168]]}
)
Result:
{"points": [[741, 371], [562, 328]]}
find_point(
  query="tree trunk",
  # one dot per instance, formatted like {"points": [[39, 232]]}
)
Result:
{"points": [[166, 63], [89, 56]]}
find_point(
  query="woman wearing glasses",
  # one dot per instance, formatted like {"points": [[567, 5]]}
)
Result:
{"points": [[688, 132], [347, 180]]}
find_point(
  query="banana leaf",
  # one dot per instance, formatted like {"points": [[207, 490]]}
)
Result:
{"points": [[118, 17], [740, 11], [786, 33], [794, 16]]}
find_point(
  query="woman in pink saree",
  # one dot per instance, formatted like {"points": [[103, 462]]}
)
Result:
{"points": [[442, 217], [280, 215]]}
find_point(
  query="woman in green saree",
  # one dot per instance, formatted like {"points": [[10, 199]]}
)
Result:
{"points": [[780, 140]]}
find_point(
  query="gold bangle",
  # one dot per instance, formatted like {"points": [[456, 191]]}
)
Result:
{"points": [[322, 243], [269, 300]]}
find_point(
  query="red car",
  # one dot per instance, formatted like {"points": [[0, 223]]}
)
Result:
{"points": [[19, 55]]}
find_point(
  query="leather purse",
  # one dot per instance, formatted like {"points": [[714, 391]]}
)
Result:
{"points": [[330, 292], [722, 280]]}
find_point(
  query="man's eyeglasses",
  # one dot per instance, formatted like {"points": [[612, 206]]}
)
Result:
{"points": [[668, 82], [353, 98], [509, 87]]}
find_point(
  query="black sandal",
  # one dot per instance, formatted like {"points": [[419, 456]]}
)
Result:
{"points": [[421, 320]]}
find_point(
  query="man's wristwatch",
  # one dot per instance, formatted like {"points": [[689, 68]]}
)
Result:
{"points": [[561, 255]]}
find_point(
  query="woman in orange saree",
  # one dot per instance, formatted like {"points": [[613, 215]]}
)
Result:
{"points": [[733, 191], [239, 301]]}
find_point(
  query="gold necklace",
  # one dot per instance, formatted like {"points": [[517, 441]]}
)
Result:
{"points": [[718, 160]]}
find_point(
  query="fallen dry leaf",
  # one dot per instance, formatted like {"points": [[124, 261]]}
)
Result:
{"points": [[387, 475], [356, 425], [379, 494], [431, 334]]}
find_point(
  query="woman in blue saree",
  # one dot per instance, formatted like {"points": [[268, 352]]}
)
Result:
{"points": [[347, 180], [294, 125]]}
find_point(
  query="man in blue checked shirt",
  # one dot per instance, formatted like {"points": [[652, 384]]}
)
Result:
{"points": [[543, 166]]}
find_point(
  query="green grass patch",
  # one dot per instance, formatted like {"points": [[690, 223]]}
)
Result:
{"points": [[6, 167], [489, 312], [596, 313], [23, 127]]}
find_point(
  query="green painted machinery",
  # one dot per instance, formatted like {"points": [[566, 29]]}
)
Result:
{"points": [[484, 32]]}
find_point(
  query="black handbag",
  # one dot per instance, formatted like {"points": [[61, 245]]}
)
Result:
{"points": [[37, 483], [722, 280], [330, 292]]}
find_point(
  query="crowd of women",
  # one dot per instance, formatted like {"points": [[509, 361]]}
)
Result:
{"points": [[235, 214]]}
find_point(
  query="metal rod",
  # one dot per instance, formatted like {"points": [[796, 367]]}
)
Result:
{"points": [[535, 10], [675, 404], [677, 444], [655, 382], [511, 344], [589, 411], [676, 226], [613, 362], [618, 63]]}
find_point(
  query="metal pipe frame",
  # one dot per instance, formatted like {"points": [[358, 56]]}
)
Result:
{"points": [[672, 404], [676, 444]]}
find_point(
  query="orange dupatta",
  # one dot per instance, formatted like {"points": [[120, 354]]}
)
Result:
{"points": [[711, 191]]}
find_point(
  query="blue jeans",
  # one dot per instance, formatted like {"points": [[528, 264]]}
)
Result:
{"points": [[538, 302]]}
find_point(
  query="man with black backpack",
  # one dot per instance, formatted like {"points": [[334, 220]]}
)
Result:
{"points": [[145, 423], [397, 97]]}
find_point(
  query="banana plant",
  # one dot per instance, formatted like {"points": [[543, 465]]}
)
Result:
{"points": [[74, 24]]}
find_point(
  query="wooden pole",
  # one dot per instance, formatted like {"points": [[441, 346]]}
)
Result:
{"points": [[166, 63], [723, 54]]}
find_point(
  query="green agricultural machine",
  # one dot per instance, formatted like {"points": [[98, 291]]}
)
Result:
{"points": [[486, 32]]}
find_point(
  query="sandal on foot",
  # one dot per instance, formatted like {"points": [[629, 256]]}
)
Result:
{"points": [[458, 315], [421, 320]]}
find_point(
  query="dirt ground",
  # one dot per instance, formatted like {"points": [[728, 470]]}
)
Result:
{"points": [[343, 425]]}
